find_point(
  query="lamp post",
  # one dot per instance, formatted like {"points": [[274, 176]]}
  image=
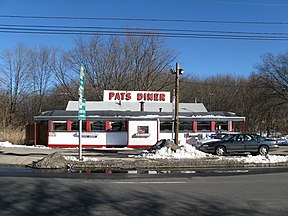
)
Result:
{"points": [[177, 73]]}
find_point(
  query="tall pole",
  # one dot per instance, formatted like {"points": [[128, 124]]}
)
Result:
{"points": [[176, 120], [80, 141]]}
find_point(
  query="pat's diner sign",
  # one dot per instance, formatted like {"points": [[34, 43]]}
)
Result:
{"points": [[136, 96]]}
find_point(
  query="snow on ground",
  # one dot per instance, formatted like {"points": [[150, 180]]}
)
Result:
{"points": [[10, 145], [186, 151], [259, 159], [190, 152]]}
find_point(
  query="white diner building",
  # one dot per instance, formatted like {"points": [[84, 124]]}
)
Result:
{"points": [[133, 119]]}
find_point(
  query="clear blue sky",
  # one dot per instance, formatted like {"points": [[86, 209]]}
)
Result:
{"points": [[198, 57]]}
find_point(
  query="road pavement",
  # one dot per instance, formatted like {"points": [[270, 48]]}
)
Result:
{"points": [[239, 195]]}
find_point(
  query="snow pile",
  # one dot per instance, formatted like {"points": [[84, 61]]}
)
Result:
{"points": [[259, 159], [184, 152], [265, 159], [6, 144]]}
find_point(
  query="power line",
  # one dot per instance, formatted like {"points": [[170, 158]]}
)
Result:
{"points": [[138, 33], [147, 20], [140, 29]]}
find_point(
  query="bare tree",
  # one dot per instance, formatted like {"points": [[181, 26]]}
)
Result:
{"points": [[273, 72], [132, 62], [41, 69], [16, 76]]}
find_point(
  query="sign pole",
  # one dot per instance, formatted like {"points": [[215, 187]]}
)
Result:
{"points": [[81, 109], [80, 140]]}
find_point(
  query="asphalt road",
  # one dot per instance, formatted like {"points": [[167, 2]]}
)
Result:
{"points": [[259, 194]]}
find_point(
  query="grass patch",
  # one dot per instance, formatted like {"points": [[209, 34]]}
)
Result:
{"points": [[12, 135]]}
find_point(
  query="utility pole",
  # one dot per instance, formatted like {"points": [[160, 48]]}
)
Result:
{"points": [[176, 125], [177, 72]]}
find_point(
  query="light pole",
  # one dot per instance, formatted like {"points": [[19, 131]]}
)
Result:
{"points": [[177, 72]]}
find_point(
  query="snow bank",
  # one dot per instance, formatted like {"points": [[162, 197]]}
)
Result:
{"points": [[184, 152], [10, 145], [260, 159], [190, 152]]}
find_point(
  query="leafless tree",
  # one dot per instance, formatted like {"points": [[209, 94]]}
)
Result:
{"points": [[16, 78], [273, 72], [132, 62], [41, 60]]}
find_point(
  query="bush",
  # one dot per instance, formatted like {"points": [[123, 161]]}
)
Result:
{"points": [[13, 135]]}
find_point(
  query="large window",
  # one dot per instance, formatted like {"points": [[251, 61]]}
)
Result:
{"points": [[185, 127], [221, 126], [75, 126], [165, 127], [59, 125], [97, 125], [203, 126], [117, 126]]}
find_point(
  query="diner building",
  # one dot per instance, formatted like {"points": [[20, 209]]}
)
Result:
{"points": [[132, 119]]}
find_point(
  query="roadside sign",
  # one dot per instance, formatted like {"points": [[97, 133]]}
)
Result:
{"points": [[82, 109], [82, 78]]}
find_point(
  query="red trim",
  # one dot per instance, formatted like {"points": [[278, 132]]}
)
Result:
{"points": [[88, 126], [84, 146], [107, 125], [194, 126], [213, 124], [140, 146], [51, 127], [229, 126], [69, 125]]}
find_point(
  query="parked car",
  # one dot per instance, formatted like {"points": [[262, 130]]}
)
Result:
{"points": [[239, 143], [283, 141]]}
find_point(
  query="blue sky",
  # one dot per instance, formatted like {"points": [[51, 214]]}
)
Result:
{"points": [[198, 57]]}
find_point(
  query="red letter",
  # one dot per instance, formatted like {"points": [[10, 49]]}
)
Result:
{"points": [[122, 95], [117, 96], [156, 97], [128, 96], [139, 96], [162, 97], [149, 97], [111, 95]]}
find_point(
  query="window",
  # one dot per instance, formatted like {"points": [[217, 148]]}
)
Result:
{"points": [[117, 126], [97, 125], [75, 126], [185, 127], [204, 126], [142, 130], [165, 126], [221, 126], [59, 125]]}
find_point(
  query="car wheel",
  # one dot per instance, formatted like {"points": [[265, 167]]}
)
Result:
{"points": [[263, 150], [220, 150]]}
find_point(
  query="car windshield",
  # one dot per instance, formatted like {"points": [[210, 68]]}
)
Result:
{"points": [[227, 137]]}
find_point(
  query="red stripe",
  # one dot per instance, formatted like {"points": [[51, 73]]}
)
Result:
{"points": [[97, 146]]}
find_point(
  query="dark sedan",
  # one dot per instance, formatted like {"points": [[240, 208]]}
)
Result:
{"points": [[239, 143]]}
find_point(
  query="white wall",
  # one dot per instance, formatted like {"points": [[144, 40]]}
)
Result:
{"points": [[91, 138], [148, 139]]}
